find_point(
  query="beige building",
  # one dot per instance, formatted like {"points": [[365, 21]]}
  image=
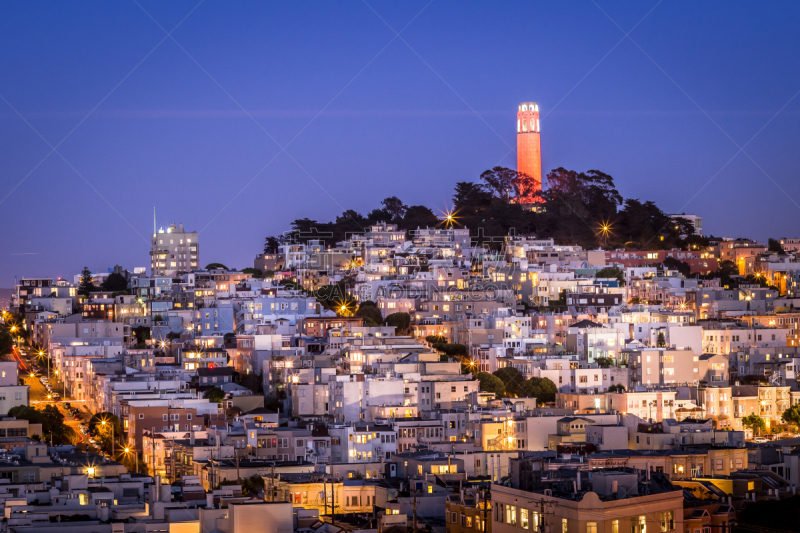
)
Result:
{"points": [[727, 406], [614, 502], [174, 252]]}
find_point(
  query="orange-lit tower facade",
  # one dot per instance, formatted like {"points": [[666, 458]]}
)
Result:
{"points": [[529, 151]]}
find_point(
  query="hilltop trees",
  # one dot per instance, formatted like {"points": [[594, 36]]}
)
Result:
{"points": [[572, 208]]}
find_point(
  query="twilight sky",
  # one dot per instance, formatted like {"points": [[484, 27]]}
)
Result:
{"points": [[194, 124]]}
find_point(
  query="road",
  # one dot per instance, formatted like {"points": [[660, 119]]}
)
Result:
{"points": [[39, 399]]}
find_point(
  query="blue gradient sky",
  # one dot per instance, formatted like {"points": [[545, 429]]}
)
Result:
{"points": [[397, 120]]}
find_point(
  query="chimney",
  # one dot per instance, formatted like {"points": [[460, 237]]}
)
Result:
{"points": [[578, 482], [157, 492], [614, 489]]}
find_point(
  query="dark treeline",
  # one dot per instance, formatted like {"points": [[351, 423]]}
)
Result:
{"points": [[574, 208]]}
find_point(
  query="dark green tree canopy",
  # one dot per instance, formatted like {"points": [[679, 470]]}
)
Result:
{"points": [[543, 389], [400, 321], [52, 421], [214, 395], [774, 245], [370, 313], [115, 283], [490, 383], [86, 285], [611, 272], [511, 378]]}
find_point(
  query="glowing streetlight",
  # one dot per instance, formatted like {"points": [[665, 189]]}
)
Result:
{"points": [[605, 229], [90, 471], [128, 450], [42, 354]]}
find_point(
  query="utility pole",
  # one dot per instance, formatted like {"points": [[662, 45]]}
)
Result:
{"points": [[542, 504], [153, 449], [238, 473], [415, 511]]}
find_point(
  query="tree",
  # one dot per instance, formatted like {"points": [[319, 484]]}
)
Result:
{"points": [[775, 246], [491, 383], [792, 415], [252, 485], [604, 362], [115, 283], [254, 272], [617, 388], [394, 206], [97, 426], [370, 313], [271, 245], [660, 340], [611, 272], [512, 379], [214, 395], [754, 422], [215, 266], [725, 272], [400, 321], [52, 421], [86, 285], [142, 334], [6, 341], [542, 389], [418, 216], [676, 264]]}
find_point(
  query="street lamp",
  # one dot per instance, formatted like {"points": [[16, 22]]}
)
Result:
{"points": [[127, 451], [42, 353], [90, 471]]}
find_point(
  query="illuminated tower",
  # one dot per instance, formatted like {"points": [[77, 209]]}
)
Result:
{"points": [[529, 151]]}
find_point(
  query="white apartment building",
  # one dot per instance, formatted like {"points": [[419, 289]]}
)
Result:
{"points": [[174, 252]]}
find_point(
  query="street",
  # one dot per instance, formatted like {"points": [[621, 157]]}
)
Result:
{"points": [[39, 395]]}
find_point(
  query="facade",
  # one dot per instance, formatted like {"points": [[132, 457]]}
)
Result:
{"points": [[174, 252], [616, 502]]}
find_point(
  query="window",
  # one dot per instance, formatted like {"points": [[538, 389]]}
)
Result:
{"points": [[667, 521], [563, 525], [615, 526], [591, 527], [523, 518], [511, 515]]}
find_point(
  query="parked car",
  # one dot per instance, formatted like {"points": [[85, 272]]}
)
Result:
{"points": [[760, 440]]}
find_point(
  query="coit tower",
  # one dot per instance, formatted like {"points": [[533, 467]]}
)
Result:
{"points": [[529, 152]]}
